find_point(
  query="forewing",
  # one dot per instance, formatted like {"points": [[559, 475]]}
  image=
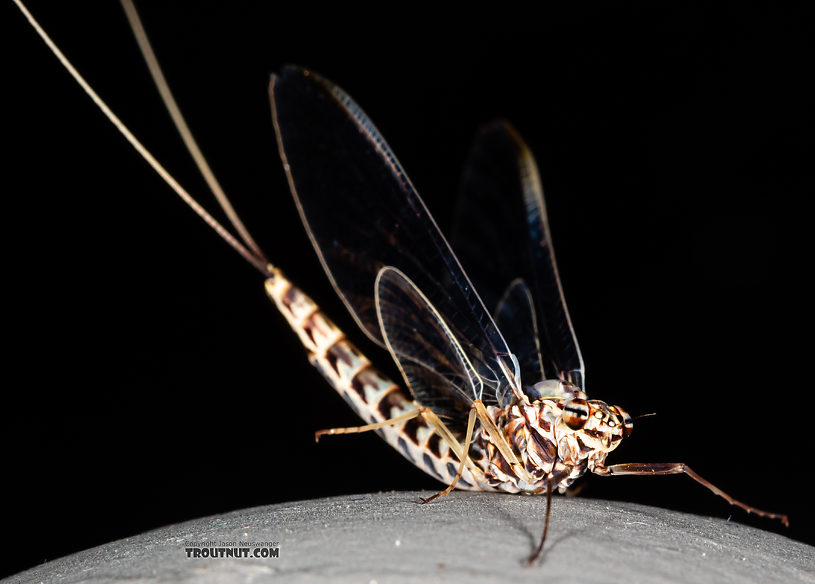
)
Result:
{"points": [[502, 233], [362, 213]]}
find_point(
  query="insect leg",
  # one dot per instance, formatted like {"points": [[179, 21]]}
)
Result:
{"points": [[477, 410], [500, 442], [538, 551], [368, 427], [463, 459], [669, 468], [551, 480], [433, 420]]}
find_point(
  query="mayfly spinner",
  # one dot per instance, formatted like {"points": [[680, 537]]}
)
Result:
{"points": [[496, 397]]}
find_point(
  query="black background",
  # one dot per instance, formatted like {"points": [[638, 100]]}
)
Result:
{"points": [[150, 381]]}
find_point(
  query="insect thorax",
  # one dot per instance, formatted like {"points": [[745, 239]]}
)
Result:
{"points": [[554, 438]]}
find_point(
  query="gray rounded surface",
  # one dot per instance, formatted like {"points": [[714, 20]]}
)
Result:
{"points": [[473, 537]]}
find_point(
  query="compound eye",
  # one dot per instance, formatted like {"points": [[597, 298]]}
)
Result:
{"points": [[628, 423], [576, 413]]}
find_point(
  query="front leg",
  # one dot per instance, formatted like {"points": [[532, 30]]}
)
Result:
{"points": [[669, 468]]}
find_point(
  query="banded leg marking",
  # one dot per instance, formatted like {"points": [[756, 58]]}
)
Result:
{"points": [[669, 468]]}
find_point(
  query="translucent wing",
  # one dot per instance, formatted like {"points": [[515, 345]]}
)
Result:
{"points": [[516, 318], [502, 234], [362, 214], [442, 371]]}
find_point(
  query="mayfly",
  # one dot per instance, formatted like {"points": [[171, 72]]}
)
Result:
{"points": [[497, 395]]}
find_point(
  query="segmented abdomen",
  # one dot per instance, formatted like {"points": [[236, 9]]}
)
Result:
{"points": [[369, 393]]}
